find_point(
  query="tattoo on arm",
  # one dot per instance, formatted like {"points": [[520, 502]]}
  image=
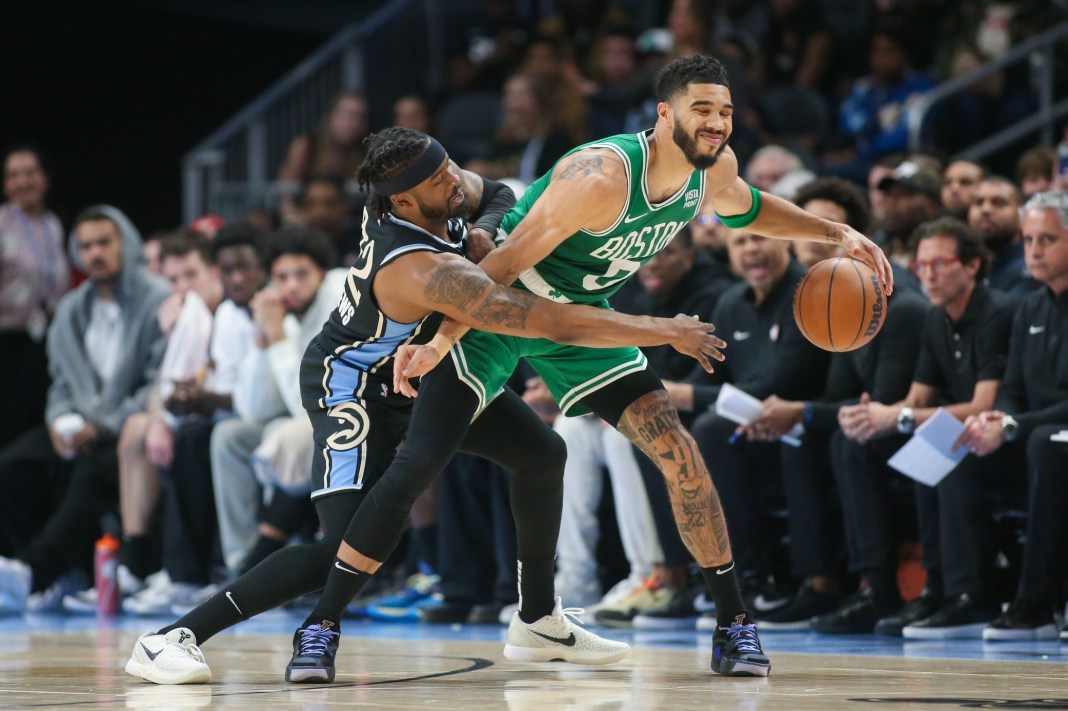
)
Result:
{"points": [[582, 165], [463, 285], [653, 425], [505, 307], [453, 284]]}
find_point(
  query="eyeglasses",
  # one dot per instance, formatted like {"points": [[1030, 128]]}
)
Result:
{"points": [[936, 265]]}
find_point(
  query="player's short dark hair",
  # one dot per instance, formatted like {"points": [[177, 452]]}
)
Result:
{"points": [[842, 193], [1036, 161], [185, 241], [970, 245], [302, 241], [674, 78], [389, 152], [239, 234]]}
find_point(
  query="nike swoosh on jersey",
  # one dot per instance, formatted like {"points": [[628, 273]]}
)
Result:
{"points": [[568, 641], [1035, 329], [628, 220]]}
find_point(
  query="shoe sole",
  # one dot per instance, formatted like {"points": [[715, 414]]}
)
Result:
{"points": [[549, 654], [1046, 632], [309, 676], [150, 673], [974, 631], [745, 669]]}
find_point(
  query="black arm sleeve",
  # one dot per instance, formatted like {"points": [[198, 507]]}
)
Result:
{"points": [[497, 199]]}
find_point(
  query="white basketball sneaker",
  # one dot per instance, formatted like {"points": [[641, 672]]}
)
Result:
{"points": [[171, 658], [556, 638]]}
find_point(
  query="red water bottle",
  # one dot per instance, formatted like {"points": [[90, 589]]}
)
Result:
{"points": [[107, 575]]}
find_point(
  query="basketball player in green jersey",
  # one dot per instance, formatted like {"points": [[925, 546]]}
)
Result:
{"points": [[575, 236]]}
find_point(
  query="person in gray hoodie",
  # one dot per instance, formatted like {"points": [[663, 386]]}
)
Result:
{"points": [[104, 348]]}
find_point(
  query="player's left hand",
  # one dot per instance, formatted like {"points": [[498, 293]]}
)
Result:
{"points": [[479, 244], [863, 249], [411, 362]]}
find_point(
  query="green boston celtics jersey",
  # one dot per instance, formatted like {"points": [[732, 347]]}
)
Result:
{"points": [[588, 267]]}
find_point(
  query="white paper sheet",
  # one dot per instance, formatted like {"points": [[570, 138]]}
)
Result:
{"points": [[739, 406], [928, 457]]}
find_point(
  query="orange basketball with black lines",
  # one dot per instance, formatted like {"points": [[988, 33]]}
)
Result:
{"points": [[839, 304]]}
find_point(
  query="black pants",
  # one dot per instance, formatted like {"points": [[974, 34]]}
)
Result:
{"points": [[747, 476], [817, 541], [189, 523], [24, 383], [871, 492], [967, 500], [476, 533], [50, 509], [1045, 563]]}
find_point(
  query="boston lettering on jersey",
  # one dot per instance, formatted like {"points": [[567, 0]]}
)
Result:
{"points": [[588, 267], [352, 357]]}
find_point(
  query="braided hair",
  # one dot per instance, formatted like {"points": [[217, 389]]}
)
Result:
{"points": [[389, 152]]}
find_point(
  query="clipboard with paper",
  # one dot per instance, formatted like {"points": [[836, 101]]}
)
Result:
{"points": [[739, 406], [928, 456]]}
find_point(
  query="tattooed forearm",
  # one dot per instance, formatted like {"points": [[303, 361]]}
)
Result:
{"points": [[653, 425], [505, 307], [581, 165], [454, 284]]}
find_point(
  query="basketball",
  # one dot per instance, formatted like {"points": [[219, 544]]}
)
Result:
{"points": [[839, 304]]}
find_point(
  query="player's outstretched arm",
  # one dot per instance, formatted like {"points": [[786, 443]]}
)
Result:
{"points": [[462, 291], [782, 219]]}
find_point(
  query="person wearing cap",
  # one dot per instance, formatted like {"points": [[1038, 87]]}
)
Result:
{"points": [[912, 196]]}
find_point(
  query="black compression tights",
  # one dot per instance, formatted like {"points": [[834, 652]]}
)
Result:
{"points": [[507, 433]]}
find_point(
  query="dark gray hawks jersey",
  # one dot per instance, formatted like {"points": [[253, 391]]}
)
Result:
{"points": [[352, 357]]}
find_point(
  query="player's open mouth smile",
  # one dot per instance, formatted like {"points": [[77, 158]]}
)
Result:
{"points": [[459, 198]]}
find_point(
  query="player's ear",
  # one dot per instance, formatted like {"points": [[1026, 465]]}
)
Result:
{"points": [[401, 200], [663, 110]]}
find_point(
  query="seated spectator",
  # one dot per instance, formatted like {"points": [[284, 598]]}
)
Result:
{"points": [[614, 85], [1032, 406], [528, 140], [33, 276], [959, 182], [882, 168], [302, 291], [1035, 171], [833, 199], [769, 164], [911, 195], [191, 408], [548, 57], [150, 248], [411, 111], [875, 112], [104, 347], [334, 151], [878, 372], [995, 215], [323, 205], [961, 364]]}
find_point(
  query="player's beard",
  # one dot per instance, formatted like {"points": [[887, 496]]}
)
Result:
{"points": [[688, 145], [443, 212]]}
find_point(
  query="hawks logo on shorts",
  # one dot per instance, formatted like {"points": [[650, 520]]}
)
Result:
{"points": [[353, 418]]}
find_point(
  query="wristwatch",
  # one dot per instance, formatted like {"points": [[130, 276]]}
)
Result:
{"points": [[906, 420], [1009, 427]]}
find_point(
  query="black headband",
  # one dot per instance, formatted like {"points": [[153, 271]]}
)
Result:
{"points": [[420, 169]]}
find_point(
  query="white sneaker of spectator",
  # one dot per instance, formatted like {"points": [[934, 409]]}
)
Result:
{"points": [[16, 581], [617, 593], [184, 602], [157, 597], [578, 593], [84, 602], [51, 598]]}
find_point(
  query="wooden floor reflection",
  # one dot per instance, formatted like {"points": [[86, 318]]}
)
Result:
{"points": [[84, 671]]}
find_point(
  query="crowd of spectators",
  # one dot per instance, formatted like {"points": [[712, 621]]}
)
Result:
{"points": [[151, 383]]}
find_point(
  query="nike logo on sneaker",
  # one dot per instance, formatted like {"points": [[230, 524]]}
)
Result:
{"points": [[152, 657], [726, 570], [1032, 330], [568, 641], [339, 566]]}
